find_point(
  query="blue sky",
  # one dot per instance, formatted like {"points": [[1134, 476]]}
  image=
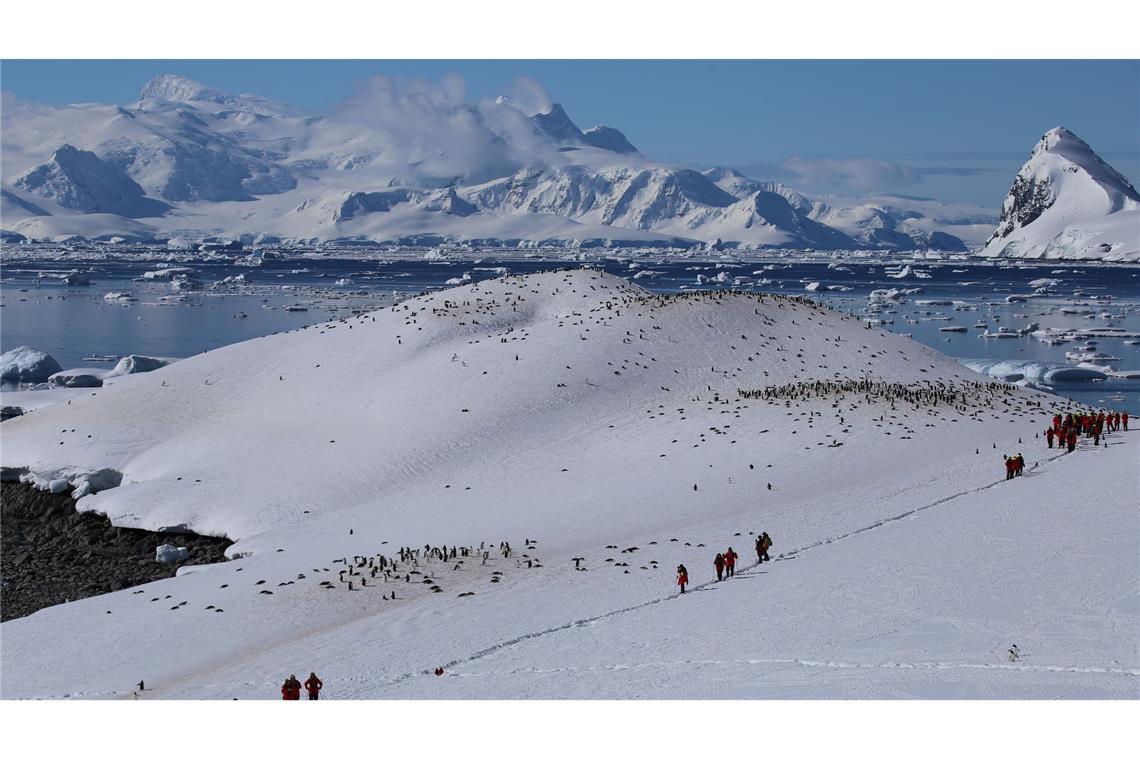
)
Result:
{"points": [[949, 129]]}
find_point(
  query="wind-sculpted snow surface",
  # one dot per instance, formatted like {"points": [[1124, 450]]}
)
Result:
{"points": [[605, 432]]}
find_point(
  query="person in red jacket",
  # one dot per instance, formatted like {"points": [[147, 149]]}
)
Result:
{"points": [[291, 689], [730, 562], [1072, 441], [313, 686], [682, 577], [718, 563], [1049, 436], [1124, 419]]}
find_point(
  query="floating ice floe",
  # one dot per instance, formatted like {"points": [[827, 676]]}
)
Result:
{"points": [[1016, 370]]}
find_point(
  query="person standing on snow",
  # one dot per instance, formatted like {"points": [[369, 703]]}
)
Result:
{"points": [[682, 577], [730, 562], [291, 689], [766, 544], [718, 563], [313, 686], [760, 548], [1049, 436]]}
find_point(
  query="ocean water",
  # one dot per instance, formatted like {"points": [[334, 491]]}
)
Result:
{"points": [[75, 324]]}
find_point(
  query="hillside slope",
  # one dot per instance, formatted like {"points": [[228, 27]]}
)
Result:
{"points": [[563, 412]]}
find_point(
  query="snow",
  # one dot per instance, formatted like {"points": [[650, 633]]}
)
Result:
{"points": [[1067, 203], [187, 162], [549, 407], [23, 364]]}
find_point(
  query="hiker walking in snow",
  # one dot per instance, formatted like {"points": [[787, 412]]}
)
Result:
{"points": [[1009, 467], [291, 689], [313, 686], [682, 577], [718, 563], [1018, 464], [763, 545], [1049, 436], [730, 562]]}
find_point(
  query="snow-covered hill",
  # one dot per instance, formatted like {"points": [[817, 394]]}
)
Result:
{"points": [[187, 159], [575, 415], [1067, 203]]}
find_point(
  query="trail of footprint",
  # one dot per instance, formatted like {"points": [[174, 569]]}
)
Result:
{"points": [[495, 648]]}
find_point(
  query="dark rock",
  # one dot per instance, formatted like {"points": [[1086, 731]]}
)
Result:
{"points": [[50, 553]]}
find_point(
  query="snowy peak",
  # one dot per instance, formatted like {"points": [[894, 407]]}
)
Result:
{"points": [[1060, 142], [171, 88], [608, 138], [81, 181], [180, 89], [556, 125], [1061, 194]]}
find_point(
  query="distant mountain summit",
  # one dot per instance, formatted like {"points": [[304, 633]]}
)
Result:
{"points": [[1066, 202], [559, 127], [190, 161]]}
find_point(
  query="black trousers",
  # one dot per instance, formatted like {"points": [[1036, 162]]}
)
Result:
{"points": [[313, 695]]}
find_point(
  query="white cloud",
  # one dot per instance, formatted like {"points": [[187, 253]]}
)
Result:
{"points": [[430, 130], [850, 173]]}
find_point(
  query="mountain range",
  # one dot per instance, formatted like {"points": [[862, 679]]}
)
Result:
{"points": [[187, 162]]}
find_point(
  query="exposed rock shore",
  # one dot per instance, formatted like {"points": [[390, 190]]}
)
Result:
{"points": [[51, 554]]}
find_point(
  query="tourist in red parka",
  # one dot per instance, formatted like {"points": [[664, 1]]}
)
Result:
{"points": [[718, 563], [1049, 436], [313, 686], [682, 577], [291, 689], [730, 561]]}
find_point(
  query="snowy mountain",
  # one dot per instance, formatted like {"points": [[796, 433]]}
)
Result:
{"points": [[1067, 203], [189, 160], [81, 181], [600, 430]]}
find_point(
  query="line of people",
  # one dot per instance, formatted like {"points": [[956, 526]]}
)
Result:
{"points": [[725, 562], [1065, 430]]}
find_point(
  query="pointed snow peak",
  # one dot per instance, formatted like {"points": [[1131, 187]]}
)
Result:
{"points": [[1061, 142], [1058, 139], [557, 125]]}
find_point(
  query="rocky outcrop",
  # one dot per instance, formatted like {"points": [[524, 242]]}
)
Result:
{"points": [[51, 554]]}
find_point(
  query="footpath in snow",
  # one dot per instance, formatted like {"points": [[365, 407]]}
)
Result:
{"points": [[607, 434]]}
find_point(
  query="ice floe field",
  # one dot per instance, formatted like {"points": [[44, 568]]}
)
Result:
{"points": [[608, 434]]}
